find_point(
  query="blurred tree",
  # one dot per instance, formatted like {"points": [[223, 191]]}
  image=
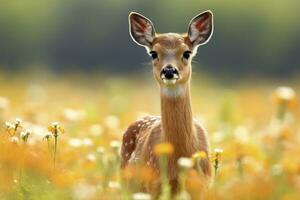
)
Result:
{"points": [[251, 37]]}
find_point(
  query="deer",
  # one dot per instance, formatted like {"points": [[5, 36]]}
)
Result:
{"points": [[172, 55]]}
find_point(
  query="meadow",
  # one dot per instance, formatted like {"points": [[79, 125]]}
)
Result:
{"points": [[60, 135]]}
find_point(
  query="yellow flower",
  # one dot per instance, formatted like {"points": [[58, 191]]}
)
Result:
{"points": [[163, 149], [55, 129], [199, 155], [216, 159]]}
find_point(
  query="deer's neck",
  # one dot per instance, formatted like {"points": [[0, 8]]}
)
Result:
{"points": [[177, 119]]}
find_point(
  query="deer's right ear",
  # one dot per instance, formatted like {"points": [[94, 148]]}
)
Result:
{"points": [[141, 29]]}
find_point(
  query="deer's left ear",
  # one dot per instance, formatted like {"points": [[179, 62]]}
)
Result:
{"points": [[201, 28], [141, 29]]}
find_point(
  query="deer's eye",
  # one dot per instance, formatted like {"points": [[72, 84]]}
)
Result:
{"points": [[186, 55], [153, 54]]}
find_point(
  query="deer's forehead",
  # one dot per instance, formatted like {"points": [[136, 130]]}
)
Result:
{"points": [[170, 42]]}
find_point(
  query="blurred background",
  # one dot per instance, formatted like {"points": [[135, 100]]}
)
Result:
{"points": [[252, 38]]}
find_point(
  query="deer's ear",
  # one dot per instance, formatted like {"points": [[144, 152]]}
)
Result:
{"points": [[141, 29], [201, 28]]}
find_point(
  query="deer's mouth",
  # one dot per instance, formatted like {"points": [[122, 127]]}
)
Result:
{"points": [[170, 81]]}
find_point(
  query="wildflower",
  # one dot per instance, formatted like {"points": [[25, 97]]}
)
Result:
{"points": [[141, 196], [185, 163], [47, 137], [55, 129], [101, 150], [284, 94], [87, 142], [116, 145], [198, 158], [96, 130], [218, 151], [9, 127], [199, 155], [112, 121], [285, 98], [12, 128], [163, 149], [25, 134], [91, 158], [241, 134], [114, 185], [217, 155], [14, 140], [83, 190], [75, 142], [74, 115], [18, 121]]}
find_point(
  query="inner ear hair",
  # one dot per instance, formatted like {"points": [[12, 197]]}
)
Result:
{"points": [[141, 29], [201, 28]]}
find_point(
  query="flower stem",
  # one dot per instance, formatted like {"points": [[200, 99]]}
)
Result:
{"points": [[55, 148]]}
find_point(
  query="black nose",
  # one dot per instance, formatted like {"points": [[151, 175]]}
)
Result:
{"points": [[169, 72]]}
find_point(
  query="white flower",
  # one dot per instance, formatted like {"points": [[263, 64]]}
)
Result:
{"points": [[141, 196], [14, 139], [84, 191], [91, 157], [286, 93], [18, 120], [9, 125], [75, 142], [87, 142], [218, 151], [114, 184], [241, 134], [96, 129], [101, 150], [112, 121], [185, 163], [115, 144], [74, 115], [25, 134]]}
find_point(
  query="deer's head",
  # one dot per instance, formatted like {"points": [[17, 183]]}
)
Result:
{"points": [[171, 53]]}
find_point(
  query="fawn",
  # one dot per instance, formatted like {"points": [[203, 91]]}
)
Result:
{"points": [[171, 54]]}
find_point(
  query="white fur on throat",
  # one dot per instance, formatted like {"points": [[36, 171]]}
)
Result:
{"points": [[172, 91]]}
